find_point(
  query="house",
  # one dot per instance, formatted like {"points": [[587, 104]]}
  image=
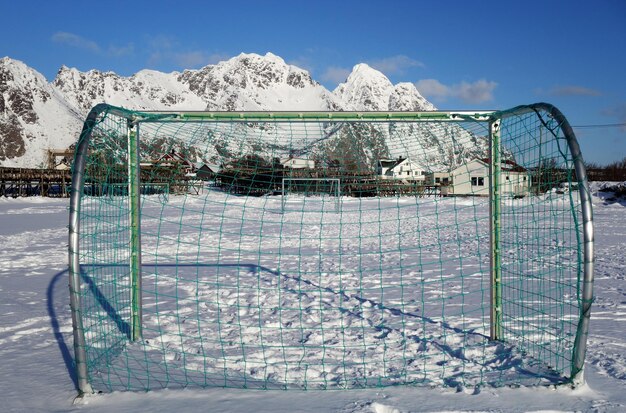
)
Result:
{"points": [[438, 179], [206, 171], [385, 165], [297, 163], [472, 178], [174, 160], [401, 168], [515, 179]]}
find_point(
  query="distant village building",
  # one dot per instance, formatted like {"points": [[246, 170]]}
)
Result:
{"points": [[60, 159], [63, 165], [438, 179], [297, 163], [206, 171], [176, 161], [472, 178], [401, 168], [384, 165], [515, 179]]}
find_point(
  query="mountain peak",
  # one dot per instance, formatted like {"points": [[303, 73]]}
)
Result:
{"points": [[255, 56], [41, 115], [365, 89], [363, 69], [6, 61], [251, 81], [405, 97]]}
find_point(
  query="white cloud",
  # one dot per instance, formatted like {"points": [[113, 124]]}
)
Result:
{"points": [[433, 89], [79, 42], [185, 60], [75, 40], [162, 42], [479, 91], [121, 51], [303, 63], [167, 49], [394, 64], [336, 74], [573, 90], [191, 59]]}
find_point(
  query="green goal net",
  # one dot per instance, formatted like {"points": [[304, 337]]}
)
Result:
{"points": [[328, 191], [329, 250]]}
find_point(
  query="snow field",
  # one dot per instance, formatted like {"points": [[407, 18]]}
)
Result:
{"points": [[385, 291], [36, 370]]}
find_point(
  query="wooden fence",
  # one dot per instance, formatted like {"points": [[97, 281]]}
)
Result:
{"points": [[16, 182]]}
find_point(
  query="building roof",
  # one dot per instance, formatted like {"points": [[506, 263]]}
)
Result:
{"points": [[173, 157], [507, 165], [392, 163], [199, 166], [387, 163]]}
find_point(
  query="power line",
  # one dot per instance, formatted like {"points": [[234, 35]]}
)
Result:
{"points": [[604, 125]]}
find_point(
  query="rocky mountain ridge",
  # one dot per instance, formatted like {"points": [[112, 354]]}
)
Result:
{"points": [[36, 115]]}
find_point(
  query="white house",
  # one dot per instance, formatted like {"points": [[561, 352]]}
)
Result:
{"points": [[515, 179], [401, 168], [438, 179], [297, 163], [473, 179]]}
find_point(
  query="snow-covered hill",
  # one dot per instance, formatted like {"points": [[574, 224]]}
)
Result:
{"points": [[254, 82], [367, 89], [36, 115]]}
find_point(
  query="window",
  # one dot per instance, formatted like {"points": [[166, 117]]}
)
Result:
{"points": [[478, 181]]}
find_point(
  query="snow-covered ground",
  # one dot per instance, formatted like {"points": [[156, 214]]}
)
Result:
{"points": [[36, 347]]}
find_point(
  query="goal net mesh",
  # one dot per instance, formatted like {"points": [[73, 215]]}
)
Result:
{"points": [[201, 276]]}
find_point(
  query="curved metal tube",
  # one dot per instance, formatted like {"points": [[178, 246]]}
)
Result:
{"points": [[580, 344], [78, 179]]}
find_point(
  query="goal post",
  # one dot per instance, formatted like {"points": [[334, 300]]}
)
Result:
{"points": [[451, 254], [312, 186]]}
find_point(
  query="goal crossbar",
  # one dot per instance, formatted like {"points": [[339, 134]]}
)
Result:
{"points": [[453, 251]]}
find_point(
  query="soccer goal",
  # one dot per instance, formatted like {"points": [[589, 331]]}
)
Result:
{"points": [[320, 189], [449, 256]]}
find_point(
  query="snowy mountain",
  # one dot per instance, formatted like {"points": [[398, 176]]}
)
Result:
{"points": [[367, 89], [33, 115], [253, 82], [145, 90], [36, 115]]}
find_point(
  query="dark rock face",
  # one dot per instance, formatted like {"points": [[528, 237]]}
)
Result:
{"points": [[21, 104], [12, 139]]}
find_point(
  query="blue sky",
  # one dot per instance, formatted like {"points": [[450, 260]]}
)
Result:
{"points": [[460, 54]]}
